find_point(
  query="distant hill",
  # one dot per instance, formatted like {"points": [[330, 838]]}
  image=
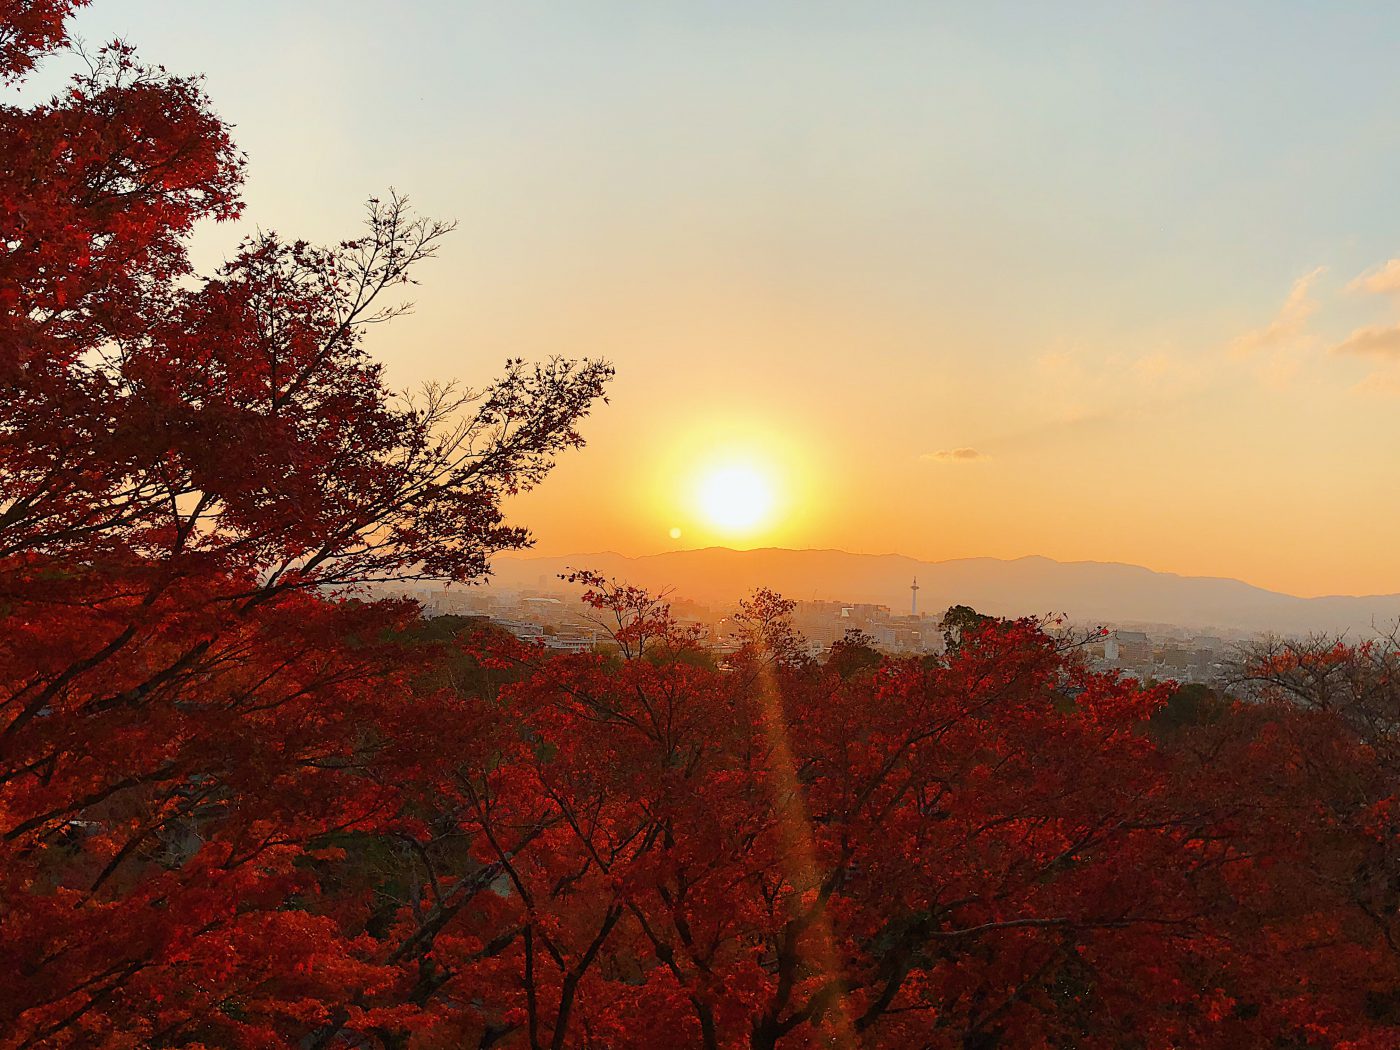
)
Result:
{"points": [[1085, 591]]}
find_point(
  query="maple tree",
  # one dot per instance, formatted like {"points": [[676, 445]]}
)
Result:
{"points": [[188, 464], [243, 805], [988, 851]]}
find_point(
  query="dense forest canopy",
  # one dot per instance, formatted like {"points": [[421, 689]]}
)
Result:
{"points": [[242, 805]]}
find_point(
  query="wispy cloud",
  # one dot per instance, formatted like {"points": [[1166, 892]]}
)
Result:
{"points": [[1382, 280], [1379, 341], [1373, 341], [1288, 325], [954, 455]]}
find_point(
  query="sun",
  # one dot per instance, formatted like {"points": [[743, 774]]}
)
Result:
{"points": [[735, 498]]}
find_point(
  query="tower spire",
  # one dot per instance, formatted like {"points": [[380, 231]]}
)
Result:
{"points": [[914, 597]]}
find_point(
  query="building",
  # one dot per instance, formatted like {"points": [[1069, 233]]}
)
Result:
{"points": [[1128, 649]]}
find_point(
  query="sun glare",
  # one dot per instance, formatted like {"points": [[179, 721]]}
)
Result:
{"points": [[734, 481], [735, 498]]}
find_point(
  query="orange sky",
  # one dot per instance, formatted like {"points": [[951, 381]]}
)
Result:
{"points": [[1132, 259]]}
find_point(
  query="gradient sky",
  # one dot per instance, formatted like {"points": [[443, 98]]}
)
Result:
{"points": [[1129, 259]]}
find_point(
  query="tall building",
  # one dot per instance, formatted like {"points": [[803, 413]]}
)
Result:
{"points": [[1130, 648]]}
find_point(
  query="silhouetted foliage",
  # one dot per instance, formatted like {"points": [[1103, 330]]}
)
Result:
{"points": [[852, 653], [961, 622], [1192, 704]]}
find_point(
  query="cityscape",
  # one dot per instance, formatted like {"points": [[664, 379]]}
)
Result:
{"points": [[556, 618]]}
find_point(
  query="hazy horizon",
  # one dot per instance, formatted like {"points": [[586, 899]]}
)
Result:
{"points": [[535, 553], [1087, 592]]}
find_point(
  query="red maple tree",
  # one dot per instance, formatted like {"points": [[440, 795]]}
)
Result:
{"points": [[189, 466]]}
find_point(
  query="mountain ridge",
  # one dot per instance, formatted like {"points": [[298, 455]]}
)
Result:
{"points": [[1101, 591]]}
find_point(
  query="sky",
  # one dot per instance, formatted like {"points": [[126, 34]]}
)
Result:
{"points": [[1096, 281]]}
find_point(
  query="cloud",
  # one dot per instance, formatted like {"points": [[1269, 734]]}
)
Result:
{"points": [[954, 455], [1288, 325], [1374, 341], [1381, 341], [1382, 280]]}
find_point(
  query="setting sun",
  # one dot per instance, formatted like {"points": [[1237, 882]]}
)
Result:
{"points": [[735, 498], [736, 479]]}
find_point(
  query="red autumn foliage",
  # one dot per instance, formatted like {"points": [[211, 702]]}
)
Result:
{"points": [[242, 807]]}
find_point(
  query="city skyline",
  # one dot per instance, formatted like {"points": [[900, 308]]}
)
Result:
{"points": [[1086, 592]]}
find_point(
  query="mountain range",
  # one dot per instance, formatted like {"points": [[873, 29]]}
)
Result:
{"points": [[1084, 591]]}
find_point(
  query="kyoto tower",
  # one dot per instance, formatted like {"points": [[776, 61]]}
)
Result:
{"points": [[914, 597]]}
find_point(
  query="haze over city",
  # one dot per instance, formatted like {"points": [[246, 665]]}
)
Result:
{"points": [[1089, 282]]}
